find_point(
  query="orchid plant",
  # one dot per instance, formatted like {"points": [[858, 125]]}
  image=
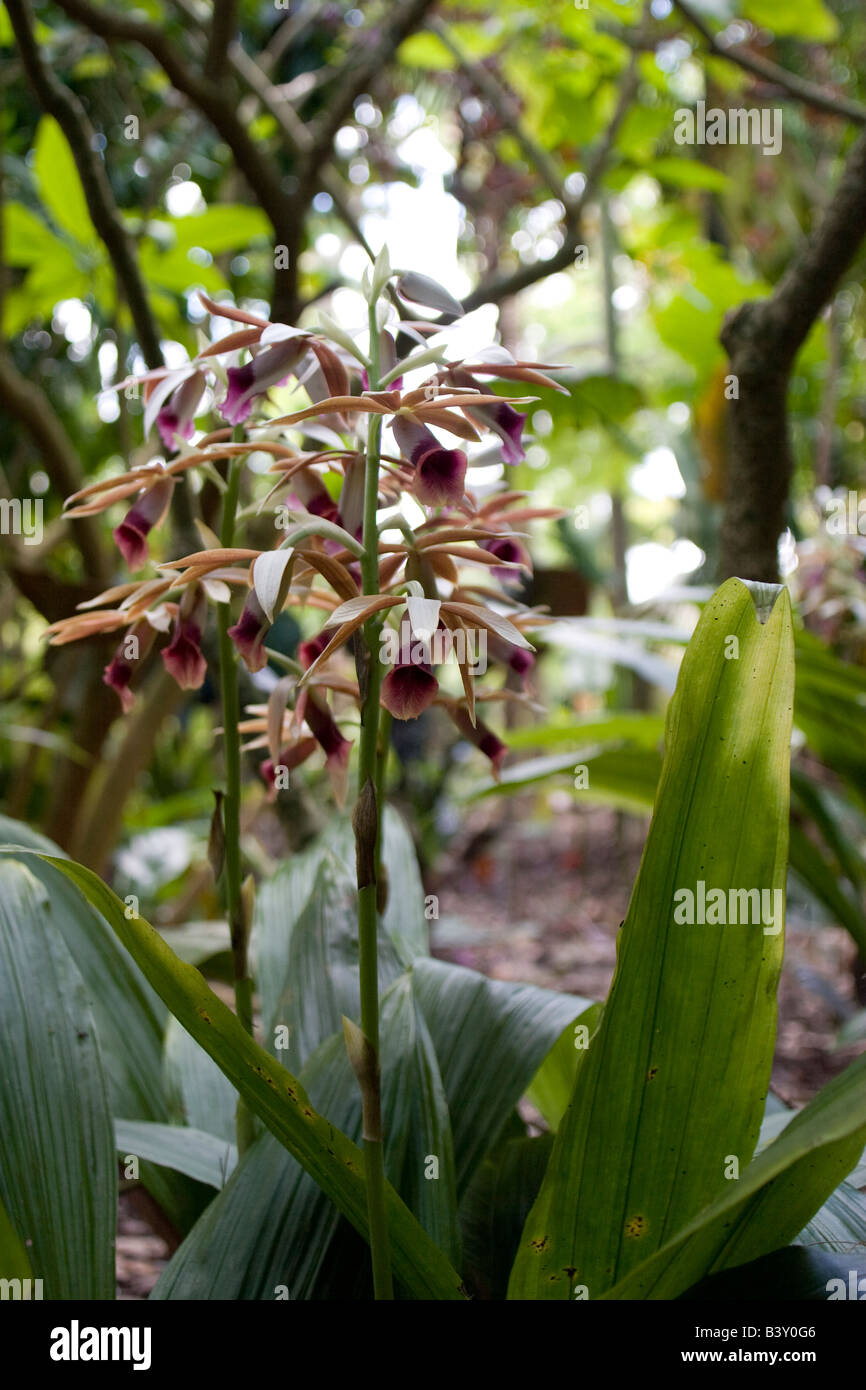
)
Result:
{"points": [[400, 587]]}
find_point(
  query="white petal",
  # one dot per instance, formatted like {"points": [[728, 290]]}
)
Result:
{"points": [[268, 573], [423, 616]]}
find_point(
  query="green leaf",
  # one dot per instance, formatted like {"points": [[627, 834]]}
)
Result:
{"points": [[197, 1092], [26, 239], [688, 173], [553, 1084], [14, 1263], [271, 1226], [57, 1180], [819, 876], [495, 1208], [130, 1019], [308, 964], [622, 777], [490, 1038], [60, 188], [272, 1093], [224, 227], [199, 1155], [403, 918], [173, 270], [777, 1194], [676, 1075], [808, 19]]}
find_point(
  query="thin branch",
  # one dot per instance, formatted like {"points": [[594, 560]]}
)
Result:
{"points": [[762, 339], [358, 74], [27, 403], [61, 103], [798, 87], [503, 286], [222, 28], [296, 134], [508, 111], [214, 101]]}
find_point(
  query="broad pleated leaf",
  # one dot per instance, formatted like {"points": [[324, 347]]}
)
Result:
{"points": [[273, 1094], [313, 958], [675, 1079], [201, 1156], [490, 1038], [272, 1228], [198, 1093], [553, 1084], [57, 1177], [775, 1197]]}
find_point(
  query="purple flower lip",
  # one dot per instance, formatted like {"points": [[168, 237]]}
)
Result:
{"points": [[289, 758], [502, 418], [177, 416], [508, 424], [145, 513], [511, 552], [271, 366], [183, 657], [494, 748], [249, 632], [117, 675], [482, 737], [440, 477], [440, 473], [408, 689], [311, 649], [521, 661]]}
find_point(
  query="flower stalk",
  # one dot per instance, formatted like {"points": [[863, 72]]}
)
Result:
{"points": [[367, 822], [231, 806]]}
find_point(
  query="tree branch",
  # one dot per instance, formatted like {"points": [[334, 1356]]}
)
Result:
{"points": [[798, 87], [503, 286], [27, 403], [58, 101], [506, 108], [357, 75], [762, 339], [222, 28], [216, 103]]}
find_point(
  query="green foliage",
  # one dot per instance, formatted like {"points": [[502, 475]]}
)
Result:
{"points": [[458, 1053]]}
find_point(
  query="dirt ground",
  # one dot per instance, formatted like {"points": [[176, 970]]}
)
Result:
{"points": [[542, 901]]}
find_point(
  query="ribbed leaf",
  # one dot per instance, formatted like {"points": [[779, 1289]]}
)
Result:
{"points": [[198, 1093], [271, 1226], [313, 958], [272, 1093], [57, 1176], [553, 1084], [675, 1079], [200, 1156], [490, 1038], [130, 1019], [779, 1192]]}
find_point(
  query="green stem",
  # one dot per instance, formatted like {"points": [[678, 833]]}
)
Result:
{"points": [[231, 807], [368, 837]]}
